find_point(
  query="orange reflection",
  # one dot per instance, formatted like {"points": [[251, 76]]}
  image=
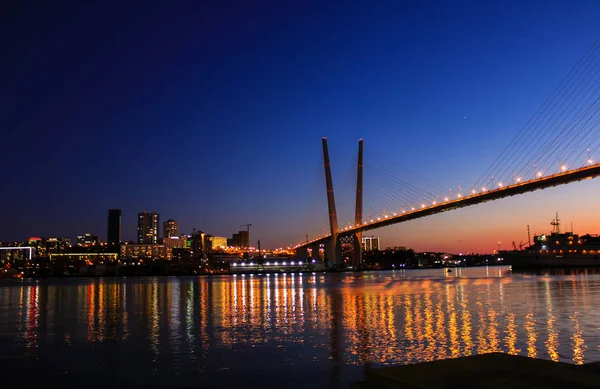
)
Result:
{"points": [[493, 330], [429, 351], [552, 342], [510, 340], [579, 346], [531, 335], [466, 322], [440, 330], [452, 322]]}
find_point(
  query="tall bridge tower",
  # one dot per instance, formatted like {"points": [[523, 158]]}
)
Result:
{"points": [[334, 251], [358, 214]]}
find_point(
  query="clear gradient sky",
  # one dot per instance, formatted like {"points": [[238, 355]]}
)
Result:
{"points": [[212, 112]]}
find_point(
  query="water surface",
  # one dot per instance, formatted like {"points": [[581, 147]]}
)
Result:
{"points": [[297, 330]]}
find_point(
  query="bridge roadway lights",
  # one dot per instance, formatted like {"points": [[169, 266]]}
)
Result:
{"points": [[580, 174]]}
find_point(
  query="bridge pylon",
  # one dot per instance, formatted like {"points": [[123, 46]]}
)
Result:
{"points": [[358, 214], [333, 223]]}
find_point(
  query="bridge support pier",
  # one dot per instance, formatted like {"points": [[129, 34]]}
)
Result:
{"points": [[312, 251], [357, 250]]}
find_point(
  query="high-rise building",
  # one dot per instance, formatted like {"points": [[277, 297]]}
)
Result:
{"points": [[198, 245], [170, 229], [87, 240], [244, 238], [114, 227], [241, 239], [147, 228], [370, 243], [235, 241]]}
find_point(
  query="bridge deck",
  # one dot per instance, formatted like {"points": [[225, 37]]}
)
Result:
{"points": [[580, 174]]}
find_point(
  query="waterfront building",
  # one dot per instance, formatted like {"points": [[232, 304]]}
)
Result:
{"points": [[199, 249], [175, 241], [145, 251], [12, 252], [218, 242], [241, 239], [87, 258], [170, 228], [114, 227], [147, 232], [57, 245], [244, 238], [370, 243], [46, 246], [87, 240], [234, 241]]}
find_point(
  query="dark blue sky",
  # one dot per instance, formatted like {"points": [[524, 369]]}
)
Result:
{"points": [[212, 112]]}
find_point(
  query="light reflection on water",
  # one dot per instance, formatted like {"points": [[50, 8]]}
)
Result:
{"points": [[319, 328]]}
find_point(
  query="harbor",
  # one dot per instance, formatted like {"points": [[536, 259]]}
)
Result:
{"points": [[556, 249]]}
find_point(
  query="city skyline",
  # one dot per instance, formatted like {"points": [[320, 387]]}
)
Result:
{"points": [[454, 83]]}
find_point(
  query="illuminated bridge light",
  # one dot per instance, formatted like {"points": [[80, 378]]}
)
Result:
{"points": [[484, 189], [590, 161], [459, 195], [412, 208], [518, 179], [563, 168], [473, 191], [499, 185], [378, 218], [446, 199], [386, 216], [434, 202], [403, 211], [394, 213], [540, 174], [372, 220]]}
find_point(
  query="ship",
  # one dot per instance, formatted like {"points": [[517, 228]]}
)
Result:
{"points": [[557, 249]]}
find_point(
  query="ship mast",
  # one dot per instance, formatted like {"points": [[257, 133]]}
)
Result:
{"points": [[556, 224]]}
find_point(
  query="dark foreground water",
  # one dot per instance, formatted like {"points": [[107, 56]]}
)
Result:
{"points": [[309, 330]]}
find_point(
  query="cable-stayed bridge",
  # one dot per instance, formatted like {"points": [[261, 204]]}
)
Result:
{"points": [[558, 145]]}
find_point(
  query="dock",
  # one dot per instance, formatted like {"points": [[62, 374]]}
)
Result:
{"points": [[493, 371]]}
